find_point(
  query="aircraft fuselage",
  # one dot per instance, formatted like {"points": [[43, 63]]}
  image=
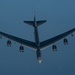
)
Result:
{"points": [[38, 52]]}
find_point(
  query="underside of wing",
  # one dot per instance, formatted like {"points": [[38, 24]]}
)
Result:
{"points": [[19, 40], [55, 39]]}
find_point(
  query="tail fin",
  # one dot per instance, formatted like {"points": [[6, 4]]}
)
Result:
{"points": [[32, 22]]}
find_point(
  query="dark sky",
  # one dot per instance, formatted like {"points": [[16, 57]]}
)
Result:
{"points": [[60, 16]]}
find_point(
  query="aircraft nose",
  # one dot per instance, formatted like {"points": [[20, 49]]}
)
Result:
{"points": [[40, 61]]}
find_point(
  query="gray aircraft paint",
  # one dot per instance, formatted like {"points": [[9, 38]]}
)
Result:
{"points": [[60, 15]]}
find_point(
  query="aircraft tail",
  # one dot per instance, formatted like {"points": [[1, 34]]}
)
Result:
{"points": [[40, 22], [32, 22]]}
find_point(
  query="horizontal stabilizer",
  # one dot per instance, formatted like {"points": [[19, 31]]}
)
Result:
{"points": [[41, 22], [29, 22], [32, 22]]}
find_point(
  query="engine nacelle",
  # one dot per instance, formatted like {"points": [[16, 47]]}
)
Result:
{"points": [[9, 43], [0, 37], [65, 41], [54, 48], [21, 48], [72, 35]]}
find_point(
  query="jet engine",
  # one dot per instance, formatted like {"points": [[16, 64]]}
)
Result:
{"points": [[65, 41], [0, 37], [21, 48], [72, 35], [9, 43], [54, 48]]}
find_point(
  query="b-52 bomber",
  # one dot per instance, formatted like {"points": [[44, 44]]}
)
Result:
{"points": [[37, 45]]}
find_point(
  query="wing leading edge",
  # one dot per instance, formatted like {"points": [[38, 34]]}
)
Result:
{"points": [[19, 40], [55, 39], [42, 44]]}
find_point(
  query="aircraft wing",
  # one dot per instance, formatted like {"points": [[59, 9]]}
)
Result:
{"points": [[55, 39], [19, 40]]}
